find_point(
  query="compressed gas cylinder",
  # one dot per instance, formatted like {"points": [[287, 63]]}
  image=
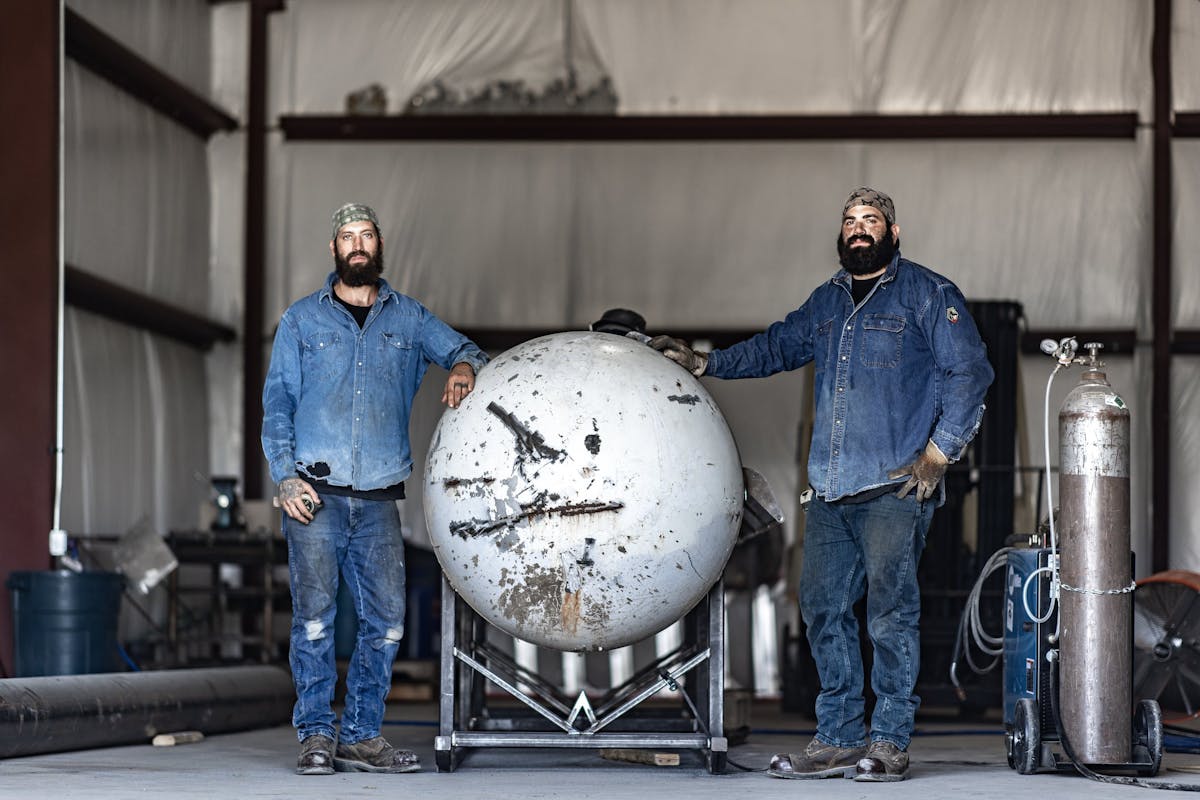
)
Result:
{"points": [[1095, 599], [586, 494]]}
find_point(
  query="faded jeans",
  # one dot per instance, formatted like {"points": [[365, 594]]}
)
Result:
{"points": [[848, 548], [362, 538]]}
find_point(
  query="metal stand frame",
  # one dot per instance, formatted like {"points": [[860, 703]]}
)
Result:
{"points": [[556, 721]]}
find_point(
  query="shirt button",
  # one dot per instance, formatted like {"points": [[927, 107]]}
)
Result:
{"points": [[841, 388], [848, 327], [843, 358]]}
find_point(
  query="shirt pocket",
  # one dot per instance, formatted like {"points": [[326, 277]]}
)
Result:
{"points": [[822, 347], [322, 354], [396, 351], [882, 340]]}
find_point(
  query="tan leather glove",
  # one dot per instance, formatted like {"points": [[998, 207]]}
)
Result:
{"points": [[694, 361], [924, 474]]}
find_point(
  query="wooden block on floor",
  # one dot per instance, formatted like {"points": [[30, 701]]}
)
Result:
{"points": [[635, 756]]}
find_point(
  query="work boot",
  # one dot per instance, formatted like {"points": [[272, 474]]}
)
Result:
{"points": [[884, 761], [316, 756], [819, 760], [374, 755]]}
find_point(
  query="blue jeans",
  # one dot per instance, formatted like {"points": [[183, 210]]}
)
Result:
{"points": [[849, 547], [361, 538]]}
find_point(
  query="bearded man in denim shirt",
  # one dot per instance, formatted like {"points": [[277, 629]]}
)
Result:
{"points": [[899, 376], [346, 364]]}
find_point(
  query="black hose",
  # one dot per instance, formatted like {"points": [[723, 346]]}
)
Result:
{"points": [[1087, 772]]}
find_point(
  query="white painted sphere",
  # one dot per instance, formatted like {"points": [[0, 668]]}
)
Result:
{"points": [[586, 495]]}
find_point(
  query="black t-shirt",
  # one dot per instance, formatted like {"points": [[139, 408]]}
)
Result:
{"points": [[860, 288], [359, 312]]}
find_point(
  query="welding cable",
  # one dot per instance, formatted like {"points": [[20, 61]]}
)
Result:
{"points": [[971, 630], [1084, 770]]}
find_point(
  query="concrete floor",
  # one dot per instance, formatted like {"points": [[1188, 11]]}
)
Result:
{"points": [[950, 758]]}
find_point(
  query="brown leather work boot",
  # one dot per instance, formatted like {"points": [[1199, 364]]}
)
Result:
{"points": [[819, 760], [374, 755], [884, 761], [316, 756]]}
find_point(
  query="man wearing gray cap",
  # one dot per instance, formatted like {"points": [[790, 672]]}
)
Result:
{"points": [[346, 364], [899, 380]]}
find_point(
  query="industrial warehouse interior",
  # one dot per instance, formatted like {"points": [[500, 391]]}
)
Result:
{"points": [[604, 549]]}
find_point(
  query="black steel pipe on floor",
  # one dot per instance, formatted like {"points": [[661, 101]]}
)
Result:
{"points": [[76, 712]]}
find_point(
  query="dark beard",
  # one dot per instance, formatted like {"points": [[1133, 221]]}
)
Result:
{"points": [[366, 274], [865, 260]]}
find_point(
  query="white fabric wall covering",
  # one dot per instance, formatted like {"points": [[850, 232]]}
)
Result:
{"points": [[748, 56], [1185, 285], [170, 34], [479, 233], [135, 432], [136, 213], [336, 48], [230, 67], [136, 194], [1185, 463], [728, 234], [1185, 55]]}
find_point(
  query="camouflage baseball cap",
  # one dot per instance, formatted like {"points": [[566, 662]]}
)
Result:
{"points": [[866, 196], [353, 212]]}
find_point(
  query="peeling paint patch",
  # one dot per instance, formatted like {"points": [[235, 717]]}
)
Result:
{"points": [[592, 443], [684, 399], [538, 508], [569, 612], [529, 443]]}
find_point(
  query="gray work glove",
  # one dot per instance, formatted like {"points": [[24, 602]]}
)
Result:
{"points": [[925, 473], [694, 361]]}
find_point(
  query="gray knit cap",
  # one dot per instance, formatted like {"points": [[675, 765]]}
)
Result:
{"points": [[866, 196], [354, 212]]}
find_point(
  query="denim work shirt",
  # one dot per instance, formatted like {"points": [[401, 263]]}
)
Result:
{"points": [[905, 366], [337, 398]]}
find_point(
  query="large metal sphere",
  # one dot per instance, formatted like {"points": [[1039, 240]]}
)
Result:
{"points": [[586, 495]]}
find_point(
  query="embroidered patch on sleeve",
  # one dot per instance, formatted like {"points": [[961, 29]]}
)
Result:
{"points": [[952, 315]]}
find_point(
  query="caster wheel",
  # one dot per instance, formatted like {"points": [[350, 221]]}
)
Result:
{"points": [[1027, 737], [1147, 731]]}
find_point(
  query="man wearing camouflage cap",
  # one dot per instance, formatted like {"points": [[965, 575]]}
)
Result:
{"points": [[899, 380], [346, 364]]}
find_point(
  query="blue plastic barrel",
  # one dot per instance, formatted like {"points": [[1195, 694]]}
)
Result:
{"points": [[65, 623]]}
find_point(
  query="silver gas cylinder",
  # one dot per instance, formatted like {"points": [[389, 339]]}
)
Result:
{"points": [[1095, 572], [585, 495]]}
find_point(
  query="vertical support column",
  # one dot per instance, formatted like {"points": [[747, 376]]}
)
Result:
{"points": [[254, 253], [30, 86], [1160, 404]]}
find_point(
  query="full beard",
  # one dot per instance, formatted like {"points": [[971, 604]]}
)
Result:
{"points": [[364, 274], [865, 260]]}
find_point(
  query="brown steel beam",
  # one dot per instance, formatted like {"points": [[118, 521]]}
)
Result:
{"points": [[596, 127], [116, 63], [29, 222], [1187, 123], [1186, 343], [111, 300], [1160, 398]]}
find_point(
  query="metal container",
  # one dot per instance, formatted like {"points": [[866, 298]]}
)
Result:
{"points": [[1095, 572], [586, 494]]}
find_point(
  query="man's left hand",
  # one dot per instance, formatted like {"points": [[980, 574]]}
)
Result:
{"points": [[924, 474], [460, 384]]}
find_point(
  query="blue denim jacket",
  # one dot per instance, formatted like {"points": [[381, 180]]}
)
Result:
{"points": [[904, 367], [337, 399]]}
